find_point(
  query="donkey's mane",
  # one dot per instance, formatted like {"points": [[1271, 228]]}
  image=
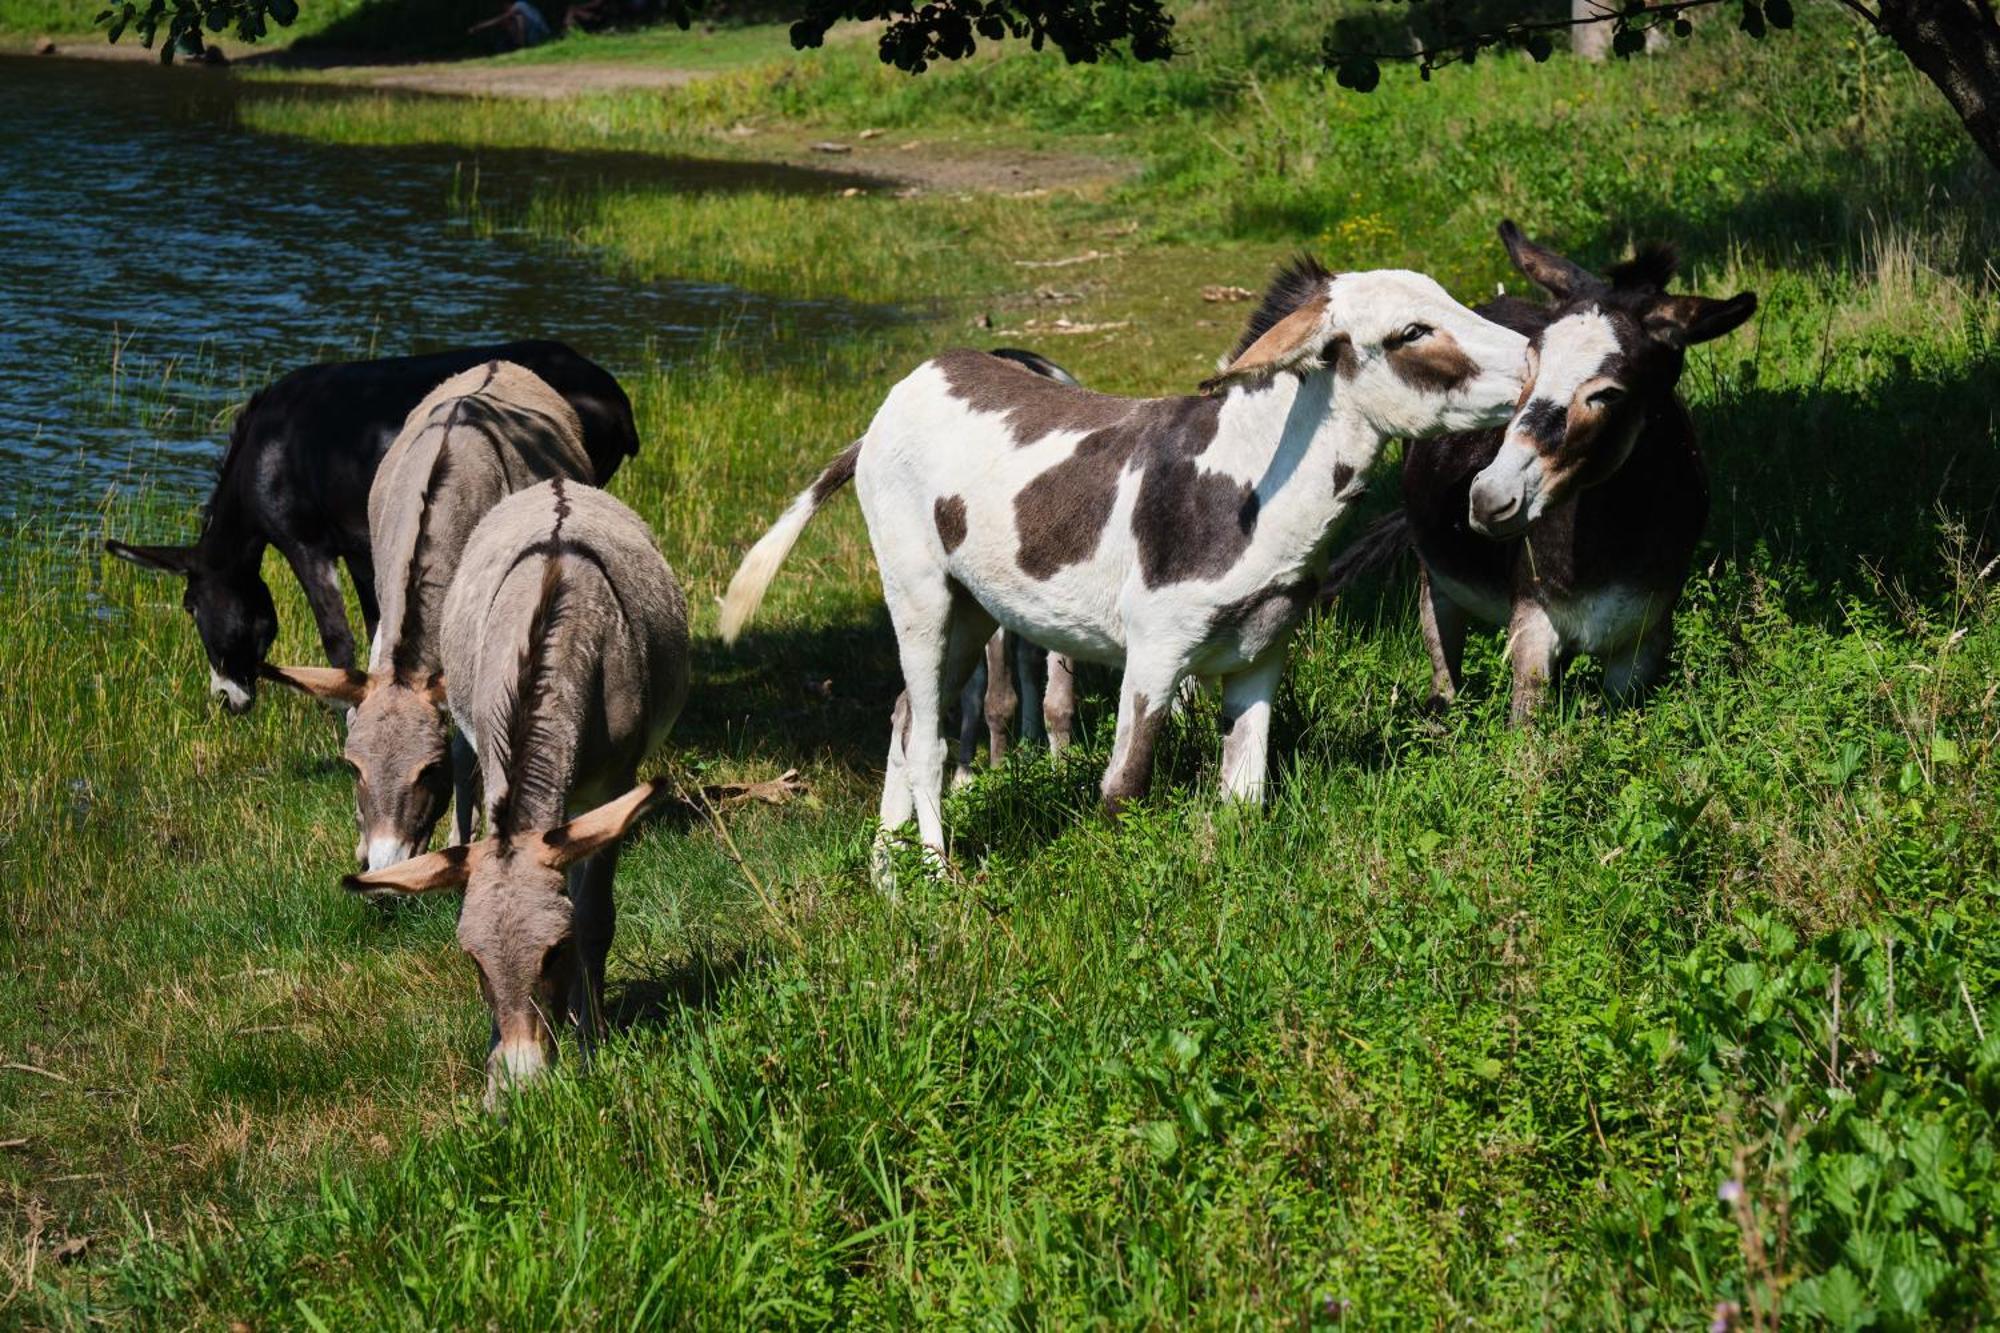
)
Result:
{"points": [[1301, 278], [1652, 266], [239, 437], [525, 765], [405, 660]]}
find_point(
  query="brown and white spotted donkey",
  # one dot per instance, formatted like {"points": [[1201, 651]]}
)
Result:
{"points": [[1168, 536], [1574, 525]]}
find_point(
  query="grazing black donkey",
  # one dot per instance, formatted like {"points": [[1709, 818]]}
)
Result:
{"points": [[1575, 524], [296, 474]]}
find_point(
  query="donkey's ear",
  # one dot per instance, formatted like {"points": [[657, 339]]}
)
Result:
{"points": [[1293, 343], [336, 685], [1545, 268], [1687, 320], [448, 869], [590, 833], [164, 559], [1683, 321]]}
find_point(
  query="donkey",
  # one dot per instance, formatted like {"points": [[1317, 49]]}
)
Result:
{"points": [[1166, 536], [480, 436], [1575, 525], [1015, 677], [296, 474], [566, 653]]}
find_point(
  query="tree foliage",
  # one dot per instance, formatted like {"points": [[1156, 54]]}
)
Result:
{"points": [[1954, 43], [918, 32]]}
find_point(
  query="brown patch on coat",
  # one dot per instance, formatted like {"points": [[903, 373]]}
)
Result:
{"points": [[1061, 515], [1034, 405], [1339, 353], [1131, 780], [1436, 364], [949, 512], [1191, 523]]}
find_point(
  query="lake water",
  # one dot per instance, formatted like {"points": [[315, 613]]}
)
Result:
{"points": [[157, 262]]}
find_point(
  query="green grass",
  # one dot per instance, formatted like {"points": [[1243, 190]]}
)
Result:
{"points": [[1471, 1025]]}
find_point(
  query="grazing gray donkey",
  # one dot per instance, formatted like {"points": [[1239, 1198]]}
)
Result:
{"points": [[566, 657], [1168, 536], [478, 437]]}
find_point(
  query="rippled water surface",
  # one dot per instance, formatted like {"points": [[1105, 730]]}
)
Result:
{"points": [[157, 263]]}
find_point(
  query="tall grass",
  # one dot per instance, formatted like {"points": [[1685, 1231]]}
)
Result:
{"points": [[1629, 1019]]}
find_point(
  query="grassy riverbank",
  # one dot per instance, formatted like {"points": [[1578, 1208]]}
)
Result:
{"points": [[1606, 1023]]}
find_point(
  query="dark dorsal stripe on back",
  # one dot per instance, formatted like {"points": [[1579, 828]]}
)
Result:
{"points": [[530, 767], [406, 661], [1302, 277]]}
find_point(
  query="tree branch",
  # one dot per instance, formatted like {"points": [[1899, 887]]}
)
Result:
{"points": [[1433, 56], [1869, 16]]}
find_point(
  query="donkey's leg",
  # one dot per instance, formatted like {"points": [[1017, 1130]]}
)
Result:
{"points": [[1444, 634], [464, 788], [1537, 652], [317, 575], [361, 569], [1246, 712], [1030, 664], [971, 713], [898, 801], [932, 622], [1145, 700], [966, 629], [596, 917], [1632, 673], [1001, 699], [1059, 704]]}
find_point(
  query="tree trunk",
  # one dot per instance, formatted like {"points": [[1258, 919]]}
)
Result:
{"points": [[1956, 43], [1591, 41]]}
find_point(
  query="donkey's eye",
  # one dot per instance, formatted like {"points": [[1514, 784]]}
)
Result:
{"points": [[1608, 396], [1411, 333]]}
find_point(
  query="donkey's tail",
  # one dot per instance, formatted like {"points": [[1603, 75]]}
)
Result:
{"points": [[1378, 545], [754, 575]]}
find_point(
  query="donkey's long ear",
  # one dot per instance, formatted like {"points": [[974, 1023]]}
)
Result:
{"points": [[1545, 268], [1293, 343], [1683, 321], [163, 559], [590, 833], [336, 685], [448, 869]]}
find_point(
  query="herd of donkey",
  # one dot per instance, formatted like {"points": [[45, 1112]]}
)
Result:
{"points": [[528, 644]]}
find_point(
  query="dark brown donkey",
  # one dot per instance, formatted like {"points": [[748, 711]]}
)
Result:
{"points": [[1575, 524]]}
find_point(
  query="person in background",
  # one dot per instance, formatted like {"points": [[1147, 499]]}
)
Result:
{"points": [[520, 25]]}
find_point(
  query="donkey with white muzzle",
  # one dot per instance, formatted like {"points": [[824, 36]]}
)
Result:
{"points": [[565, 652], [1575, 526], [1166, 536], [477, 438]]}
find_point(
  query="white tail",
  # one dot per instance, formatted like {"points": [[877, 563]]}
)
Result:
{"points": [[753, 577]]}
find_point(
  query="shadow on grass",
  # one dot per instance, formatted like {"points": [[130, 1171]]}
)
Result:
{"points": [[654, 1000], [796, 695], [1855, 202], [1841, 485]]}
